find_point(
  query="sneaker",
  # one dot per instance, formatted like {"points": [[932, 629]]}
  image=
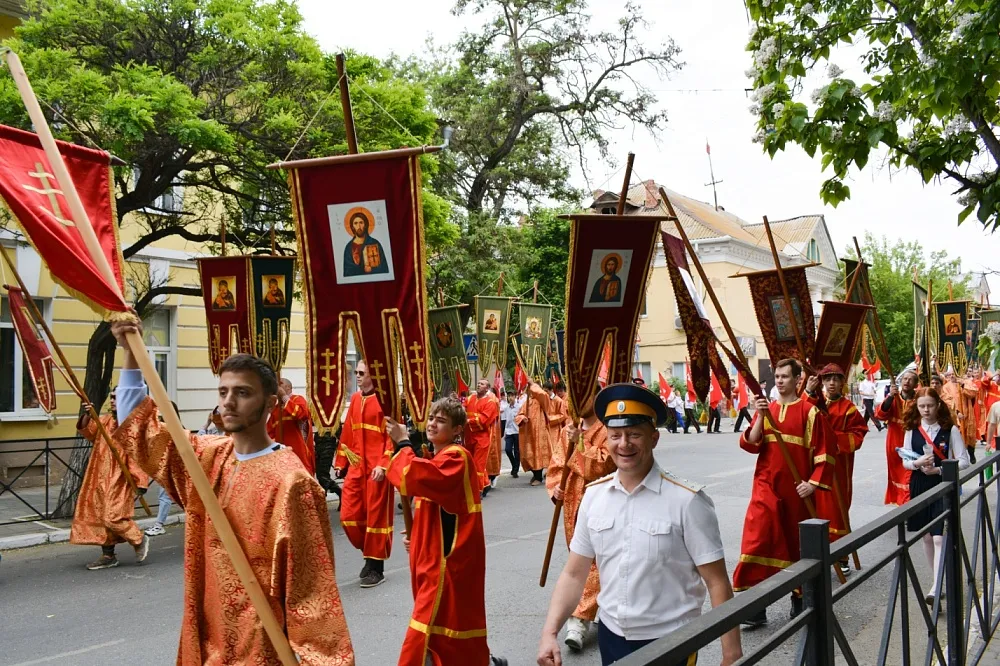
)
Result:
{"points": [[373, 579], [493, 482], [845, 568], [156, 530], [535, 482], [365, 570], [103, 562], [142, 550], [576, 631], [757, 621]]}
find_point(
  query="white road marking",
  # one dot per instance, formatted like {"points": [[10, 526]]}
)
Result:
{"points": [[523, 537], [739, 471], [73, 653]]}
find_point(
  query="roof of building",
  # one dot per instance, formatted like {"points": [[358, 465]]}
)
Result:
{"points": [[13, 8]]}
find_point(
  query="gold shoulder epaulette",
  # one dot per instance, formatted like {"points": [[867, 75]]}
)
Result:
{"points": [[683, 483], [600, 480]]}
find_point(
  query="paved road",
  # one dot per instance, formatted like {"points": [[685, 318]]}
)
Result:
{"points": [[52, 610]]}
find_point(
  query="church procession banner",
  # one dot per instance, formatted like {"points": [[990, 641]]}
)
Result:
{"points": [[447, 348], [37, 355], [840, 326], [920, 351], [360, 230], [949, 321], [609, 263], [534, 345], [248, 306], [871, 342], [493, 330], [772, 312]]}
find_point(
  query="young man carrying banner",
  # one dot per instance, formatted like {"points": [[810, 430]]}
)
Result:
{"points": [[540, 420], [276, 508], [850, 429], [891, 411], [777, 503], [587, 464], [105, 508], [366, 510], [290, 424], [447, 546], [482, 415]]}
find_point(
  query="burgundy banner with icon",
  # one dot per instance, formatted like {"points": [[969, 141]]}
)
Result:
{"points": [[360, 232], [840, 328], [225, 288], [774, 318], [36, 351]]}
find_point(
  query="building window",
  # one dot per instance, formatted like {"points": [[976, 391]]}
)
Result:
{"points": [[677, 369], [16, 392], [644, 370], [158, 336], [812, 251], [171, 201]]}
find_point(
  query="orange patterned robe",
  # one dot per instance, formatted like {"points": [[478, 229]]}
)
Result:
{"points": [[850, 429], [540, 420], [106, 506], [588, 463], [366, 510], [482, 419], [279, 514], [447, 559], [891, 410], [771, 528], [291, 424], [968, 393]]}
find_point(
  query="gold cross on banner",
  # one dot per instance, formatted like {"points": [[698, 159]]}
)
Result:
{"points": [[218, 351], [246, 346], [48, 189], [377, 377], [327, 367], [418, 361]]}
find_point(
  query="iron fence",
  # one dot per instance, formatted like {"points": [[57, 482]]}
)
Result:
{"points": [[967, 574]]}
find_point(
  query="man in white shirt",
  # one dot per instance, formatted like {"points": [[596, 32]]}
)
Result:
{"points": [[689, 418], [867, 390], [508, 410], [655, 539], [676, 404]]}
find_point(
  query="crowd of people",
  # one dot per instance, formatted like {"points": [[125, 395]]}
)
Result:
{"points": [[622, 512]]}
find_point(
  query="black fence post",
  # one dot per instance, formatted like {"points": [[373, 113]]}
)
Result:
{"points": [[817, 593], [955, 607]]}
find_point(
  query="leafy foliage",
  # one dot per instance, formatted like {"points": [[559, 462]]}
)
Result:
{"points": [[548, 238], [932, 102]]}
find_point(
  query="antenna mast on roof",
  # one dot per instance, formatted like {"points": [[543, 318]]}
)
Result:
{"points": [[711, 171]]}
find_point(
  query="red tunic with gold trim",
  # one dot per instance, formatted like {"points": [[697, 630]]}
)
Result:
{"points": [[280, 517], [590, 462], [891, 410], [366, 509], [447, 559], [539, 421], [771, 528], [105, 510], [291, 424], [850, 429], [482, 418]]}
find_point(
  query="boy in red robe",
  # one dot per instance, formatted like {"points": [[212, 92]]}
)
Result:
{"points": [[777, 503], [291, 425], [891, 411], [850, 429], [447, 547], [366, 509], [482, 414]]}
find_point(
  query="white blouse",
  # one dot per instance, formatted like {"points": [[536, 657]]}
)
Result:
{"points": [[956, 445]]}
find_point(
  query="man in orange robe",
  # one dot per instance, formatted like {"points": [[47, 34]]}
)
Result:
{"points": [[849, 428], [447, 546], [291, 425], [539, 422], [106, 505], [777, 503], [366, 509], [891, 413], [589, 462], [277, 510], [482, 418]]}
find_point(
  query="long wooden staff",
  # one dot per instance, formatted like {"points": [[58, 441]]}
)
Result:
{"points": [[159, 393], [74, 383], [765, 414], [550, 544]]}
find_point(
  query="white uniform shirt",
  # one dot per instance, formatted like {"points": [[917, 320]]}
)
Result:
{"points": [[688, 403], [508, 413], [648, 545]]}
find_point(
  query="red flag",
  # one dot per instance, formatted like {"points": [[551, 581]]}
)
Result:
{"points": [[692, 396], [708, 148], [665, 388], [461, 387], [498, 383], [715, 396], [741, 390], [31, 192], [605, 369], [520, 379], [36, 351]]}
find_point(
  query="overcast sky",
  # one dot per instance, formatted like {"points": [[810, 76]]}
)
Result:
{"points": [[705, 99]]}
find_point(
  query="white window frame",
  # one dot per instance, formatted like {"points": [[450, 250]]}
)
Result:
{"points": [[170, 350], [175, 197], [20, 413], [673, 369]]}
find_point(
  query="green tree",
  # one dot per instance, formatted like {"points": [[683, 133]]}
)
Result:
{"points": [[547, 236], [931, 101], [891, 273]]}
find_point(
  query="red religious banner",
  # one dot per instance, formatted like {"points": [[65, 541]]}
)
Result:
{"points": [[361, 240], [774, 318], [225, 288], [609, 263], [36, 350], [840, 326], [31, 192]]}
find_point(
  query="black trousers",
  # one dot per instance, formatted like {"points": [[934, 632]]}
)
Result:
{"points": [[869, 405], [513, 451], [671, 420], [744, 414], [614, 647], [714, 419], [326, 449], [690, 420]]}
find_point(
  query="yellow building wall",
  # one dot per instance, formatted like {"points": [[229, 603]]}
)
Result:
{"points": [[7, 25]]}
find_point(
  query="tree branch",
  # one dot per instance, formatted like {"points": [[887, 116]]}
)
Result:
{"points": [[155, 292]]}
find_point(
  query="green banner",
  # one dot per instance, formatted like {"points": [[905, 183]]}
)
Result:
{"points": [[949, 335], [536, 322], [447, 348], [492, 330], [272, 280]]}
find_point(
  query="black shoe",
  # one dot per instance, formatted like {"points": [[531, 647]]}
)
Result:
{"points": [[757, 621], [796, 607], [497, 661], [365, 570], [372, 579], [513, 475], [486, 491]]}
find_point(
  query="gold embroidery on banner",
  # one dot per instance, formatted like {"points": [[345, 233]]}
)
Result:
{"points": [[327, 367]]}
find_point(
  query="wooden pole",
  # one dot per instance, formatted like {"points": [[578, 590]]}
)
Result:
{"points": [[534, 298], [788, 297], [345, 104], [440, 297], [74, 383], [951, 295], [927, 330], [274, 245], [628, 179], [857, 272], [500, 285], [159, 393], [222, 236], [554, 525]]}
